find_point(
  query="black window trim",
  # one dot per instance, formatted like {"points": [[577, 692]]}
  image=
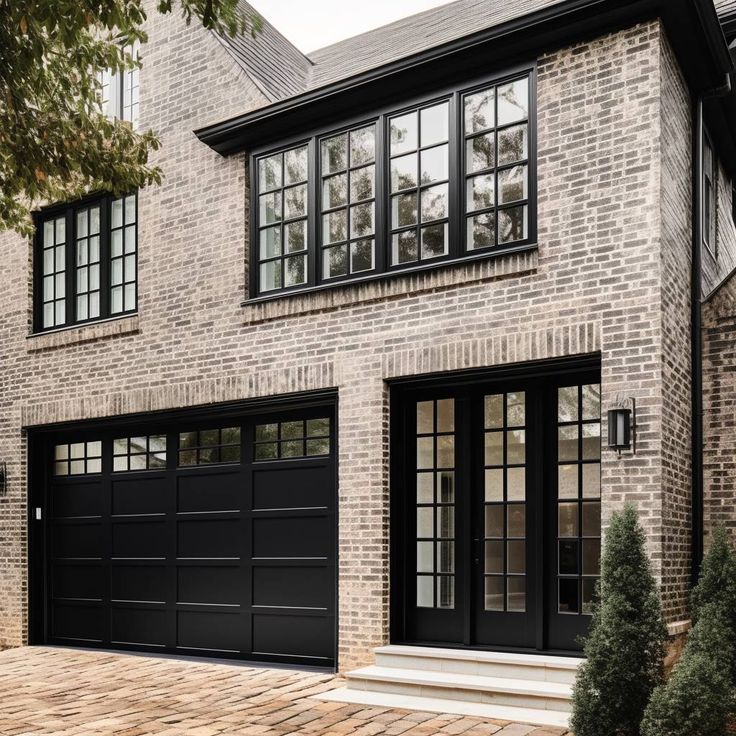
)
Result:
{"points": [[709, 236], [68, 210], [457, 251]]}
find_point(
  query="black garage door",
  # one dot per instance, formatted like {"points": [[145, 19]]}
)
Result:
{"points": [[213, 537]]}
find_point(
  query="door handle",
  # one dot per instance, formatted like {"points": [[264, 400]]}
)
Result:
{"points": [[38, 513]]}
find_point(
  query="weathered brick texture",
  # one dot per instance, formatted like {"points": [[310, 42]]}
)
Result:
{"points": [[610, 276]]}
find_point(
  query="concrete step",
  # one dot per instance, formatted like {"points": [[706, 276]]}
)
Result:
{"points": [[521, 693], [548, 668], [532, 716]]}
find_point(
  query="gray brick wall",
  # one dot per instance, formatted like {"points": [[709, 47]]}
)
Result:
{"points": [[607, 278]]}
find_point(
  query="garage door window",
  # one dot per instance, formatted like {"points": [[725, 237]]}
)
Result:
{"points": [[139, 453], [208, 446], [300, 438], [79, 458]]}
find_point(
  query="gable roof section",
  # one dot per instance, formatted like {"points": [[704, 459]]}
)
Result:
{"points": [[414, 34], [281, 71], [455, 42], [275, 65]]}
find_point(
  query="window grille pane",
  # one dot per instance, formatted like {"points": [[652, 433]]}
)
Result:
{"points": [[283, 210]]}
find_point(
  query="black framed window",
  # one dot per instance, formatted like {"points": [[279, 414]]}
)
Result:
{"points": [[710, 197], [119, 91], [496, 164], [86, 261], [348, 176], [419, 155], [442, 178], [282, 218]]}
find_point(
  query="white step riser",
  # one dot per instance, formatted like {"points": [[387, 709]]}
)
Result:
{"points": [[471, 667], [553, 718], [449, 692]]}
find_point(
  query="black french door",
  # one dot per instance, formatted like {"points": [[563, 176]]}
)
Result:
{"points": [[496, 511]]}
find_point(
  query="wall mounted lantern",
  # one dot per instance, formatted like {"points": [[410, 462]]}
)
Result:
{"points": [[622, 427], [3, 478]]}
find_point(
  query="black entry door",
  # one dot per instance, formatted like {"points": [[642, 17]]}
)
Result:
{"points": [[207, 536], [497, 550]]}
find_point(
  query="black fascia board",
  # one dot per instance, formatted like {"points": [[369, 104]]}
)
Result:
{"points": [[692, 27]]}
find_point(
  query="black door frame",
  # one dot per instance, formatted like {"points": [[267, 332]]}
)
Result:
{"points": [[39, 437], [403, 389]]}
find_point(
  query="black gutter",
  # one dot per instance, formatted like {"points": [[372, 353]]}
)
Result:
{"points": [[696, 349], [696, 329]]}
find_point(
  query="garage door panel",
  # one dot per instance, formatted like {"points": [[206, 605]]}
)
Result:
{"points": [[201, 492], [78, 580], [209, 538], [296, 536], [78, 540], [138, 495], [72, 580], [195, 543], [138, 626], [139, 538], [294, 635], [77, 499], [308, 587], [84, 622], [210, 630], [138, 582], [296, 487], [211, 585]]}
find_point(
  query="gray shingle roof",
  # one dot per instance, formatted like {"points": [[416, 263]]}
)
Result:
{"points": [[280, 70], [276, 66], [725, 7], [414, 34]]}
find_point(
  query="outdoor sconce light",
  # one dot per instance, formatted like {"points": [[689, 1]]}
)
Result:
{"points": [[622, 428], [3, 478]]}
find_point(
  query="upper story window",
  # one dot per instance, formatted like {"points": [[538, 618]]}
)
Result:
{"points": [[86, 261], [449, 177], [119, 94], [710, 197]]}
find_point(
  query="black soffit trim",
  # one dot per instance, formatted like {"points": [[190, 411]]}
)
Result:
{"points": [[692, 27], [542, 368]]}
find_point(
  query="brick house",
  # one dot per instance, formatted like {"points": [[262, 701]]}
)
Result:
{"points": [[340, 381]]}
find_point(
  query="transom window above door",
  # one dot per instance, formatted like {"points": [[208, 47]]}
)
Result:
{"points": [[443, 179], [86, 261]]}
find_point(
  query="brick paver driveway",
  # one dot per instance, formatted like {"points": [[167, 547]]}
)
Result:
{"points": [[65, 692]]}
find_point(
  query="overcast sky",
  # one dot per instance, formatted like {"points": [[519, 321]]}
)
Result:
{"points": [[312, 24]]}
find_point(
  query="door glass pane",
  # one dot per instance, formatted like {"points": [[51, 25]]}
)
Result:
{"points": [[578, 494], [425, 556], [425, 487], [505, 497], [425, 592], [445, 557], [516, 593], [494, 558], [494, 594], [494, 484], [435, 503], [446, 486], [516, 484], [446, 591]]}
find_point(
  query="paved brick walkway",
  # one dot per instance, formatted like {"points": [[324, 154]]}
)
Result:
{"points": [[66, 692]]}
